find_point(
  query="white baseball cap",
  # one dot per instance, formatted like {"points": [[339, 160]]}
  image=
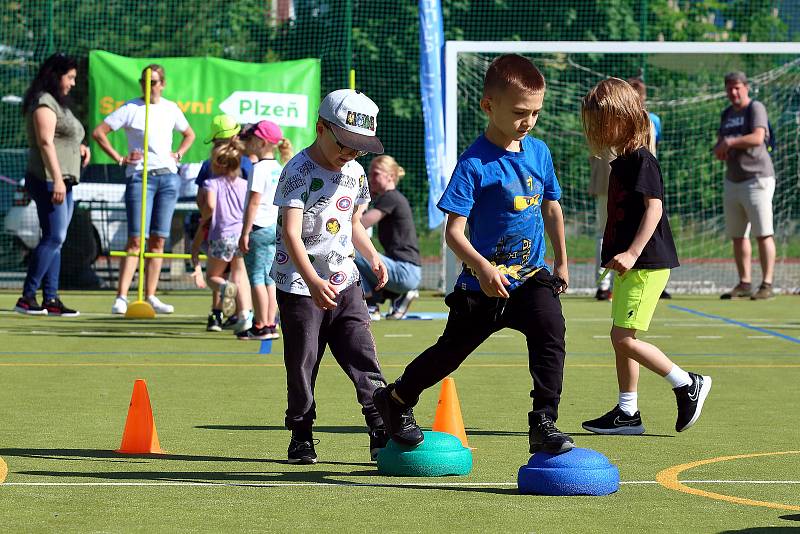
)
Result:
{"points": [[352, 116]]}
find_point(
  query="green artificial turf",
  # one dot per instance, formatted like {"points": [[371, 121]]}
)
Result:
{"points": [[218, 403]]}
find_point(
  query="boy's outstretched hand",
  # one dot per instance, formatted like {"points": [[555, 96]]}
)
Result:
{"points": [[622, 262], [492, 281], [323, 293]]}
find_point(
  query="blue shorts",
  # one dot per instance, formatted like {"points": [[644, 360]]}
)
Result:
{"points": [[162, 195], [260, 257]]}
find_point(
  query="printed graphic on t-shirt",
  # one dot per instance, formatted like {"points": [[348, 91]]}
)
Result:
{"points": [[501, 194], [328, 200]]}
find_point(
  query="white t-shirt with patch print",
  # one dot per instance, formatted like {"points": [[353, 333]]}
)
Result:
{"points": [[328, 200]]}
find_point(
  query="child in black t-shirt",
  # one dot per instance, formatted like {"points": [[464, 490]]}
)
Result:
{"points": [[638, 246]]}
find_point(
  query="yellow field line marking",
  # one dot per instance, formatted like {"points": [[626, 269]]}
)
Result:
{"points": [[669, 479], [3, 471]]}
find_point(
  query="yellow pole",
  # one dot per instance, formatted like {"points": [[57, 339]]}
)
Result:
{"points": [[353, 79], [144, 184]]}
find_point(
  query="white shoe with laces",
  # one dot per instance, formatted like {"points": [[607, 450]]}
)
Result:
{"points": [[158, 306], [120, 306]]}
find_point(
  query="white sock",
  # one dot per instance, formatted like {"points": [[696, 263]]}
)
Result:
{"points": [[678, 377], [629, 402]]}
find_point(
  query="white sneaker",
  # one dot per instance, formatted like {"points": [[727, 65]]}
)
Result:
{"points": [[227, 293], [245, 322], [401, 304], [159, 306], [120, 306]]}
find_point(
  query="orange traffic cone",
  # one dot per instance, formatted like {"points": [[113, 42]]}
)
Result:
{"points": [[448, 412], [140, 436]]}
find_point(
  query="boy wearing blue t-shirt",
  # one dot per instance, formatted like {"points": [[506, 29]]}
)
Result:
{"points": [[505, 189]]}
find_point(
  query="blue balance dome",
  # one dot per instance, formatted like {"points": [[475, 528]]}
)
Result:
{"points": [[438, 455], [577, 472]]}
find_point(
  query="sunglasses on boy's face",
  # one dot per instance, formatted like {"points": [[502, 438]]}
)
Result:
{"points": [[345, 150]]}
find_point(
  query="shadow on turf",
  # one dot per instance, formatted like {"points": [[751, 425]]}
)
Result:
{"points": [[83, 454], [764, 530], [321, 429], [314, 476]]}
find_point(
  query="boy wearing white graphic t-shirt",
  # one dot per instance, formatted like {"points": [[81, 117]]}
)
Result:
{"points": [[322, 194]]}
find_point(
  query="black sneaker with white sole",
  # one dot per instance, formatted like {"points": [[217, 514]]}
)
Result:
{"points": [[544, 436], [29, 306], [690, 399], [301, 451], [398, 418], [616, 422], [378, 438], [57, 308]]}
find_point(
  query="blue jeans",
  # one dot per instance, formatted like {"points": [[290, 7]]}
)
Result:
{"points": [[45, 261], [403, 276], [162, 195]]}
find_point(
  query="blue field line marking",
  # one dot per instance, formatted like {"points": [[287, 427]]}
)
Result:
{"points": [[266, 346], [737, 323]]}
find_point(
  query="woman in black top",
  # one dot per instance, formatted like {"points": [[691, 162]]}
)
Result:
{"points": [[398, 236]]}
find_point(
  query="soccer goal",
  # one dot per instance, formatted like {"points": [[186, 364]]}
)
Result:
{"points": [[685, 89]]}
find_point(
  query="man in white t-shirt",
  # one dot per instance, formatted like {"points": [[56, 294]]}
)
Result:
{"points": [[322, 194], [163, 182]]}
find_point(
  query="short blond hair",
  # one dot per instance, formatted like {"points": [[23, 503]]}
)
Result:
{"points": [[390, 165], [615, 118]]}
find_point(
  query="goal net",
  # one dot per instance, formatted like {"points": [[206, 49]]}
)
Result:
{"points": [[685, 89]]}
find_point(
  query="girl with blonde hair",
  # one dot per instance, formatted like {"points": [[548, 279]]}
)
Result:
{"points": [[638, 247]]}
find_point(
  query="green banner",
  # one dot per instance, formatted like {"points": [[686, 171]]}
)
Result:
{"points": [[286, 93]]}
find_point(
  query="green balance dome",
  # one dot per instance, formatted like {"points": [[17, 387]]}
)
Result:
{"points": [[438, 455]]}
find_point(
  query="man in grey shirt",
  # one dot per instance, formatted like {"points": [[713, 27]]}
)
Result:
{"points": [[749, 185]]}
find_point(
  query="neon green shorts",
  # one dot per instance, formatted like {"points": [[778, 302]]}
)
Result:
{"points": [[636, 295]]}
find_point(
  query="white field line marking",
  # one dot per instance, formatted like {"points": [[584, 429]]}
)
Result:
{"points": [[364, 484], [398, 335], [599, 337], [500, 335], [699, 325], [760, 337], [656, 337], [708, 337]]}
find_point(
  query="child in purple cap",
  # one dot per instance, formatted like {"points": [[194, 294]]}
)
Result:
{"points": [[260, 217]]}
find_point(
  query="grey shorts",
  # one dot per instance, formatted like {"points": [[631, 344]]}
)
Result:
{"points": [[747, 204], [226, 248]]}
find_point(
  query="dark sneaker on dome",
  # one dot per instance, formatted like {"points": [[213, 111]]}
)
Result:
{"points": [[301, 451], [690, 400], [616, 422], [378, 438], [57, 308], [546, 437], [398, 418], [29, 306]]}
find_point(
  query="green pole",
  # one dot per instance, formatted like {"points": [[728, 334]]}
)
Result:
{"points": [[50, 17], [348, 38], [643, 23]]}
